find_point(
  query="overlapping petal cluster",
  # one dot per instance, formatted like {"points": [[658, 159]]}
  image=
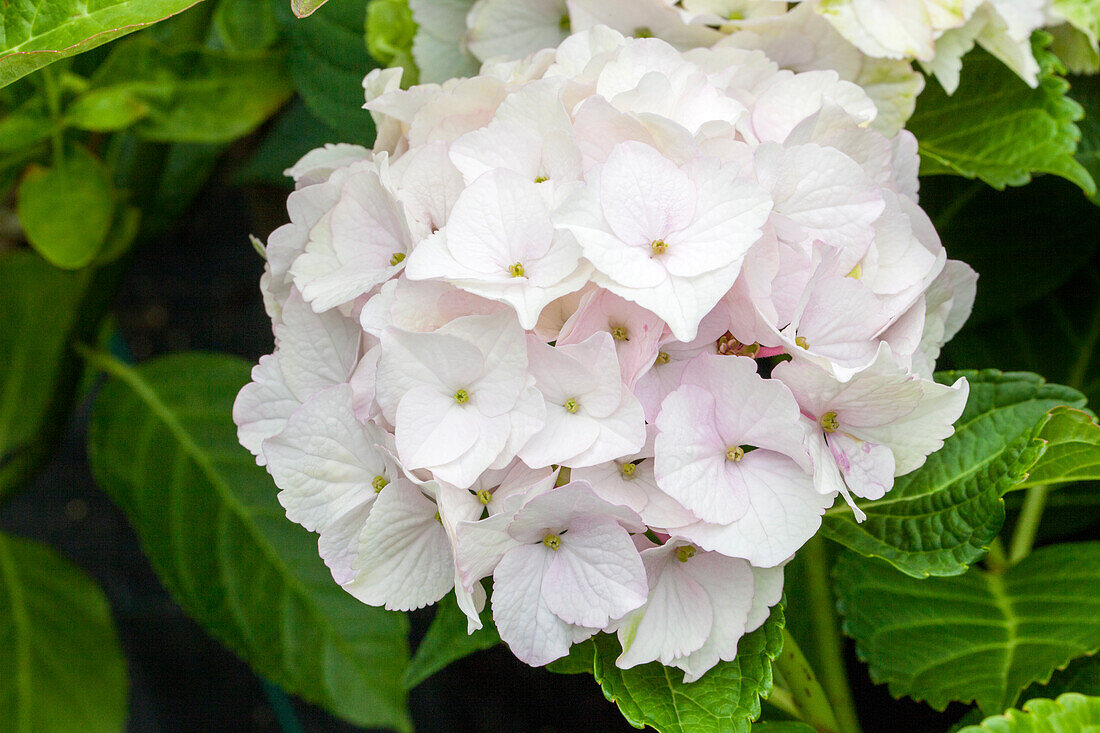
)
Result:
{"points": [[871, 43], [613, 325]]}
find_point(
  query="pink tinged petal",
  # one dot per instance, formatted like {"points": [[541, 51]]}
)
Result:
{"points": [[556, 510], [868, 468], [563, 436], [621, 433], [729, 584], [350, 250], [527, 418], [782, 106], [502, 144], [429, 186], [500, 219], [784, 510], [767, 586], [325, 462], [433, 429], [644, 196], [525, 622], [410, 360], [316, 350], [263, 406], [729, 216], [363, 381], [598, 357], [405, 560], [749, 410], [880, 394], [690, 462], [479, 547], [596, 574], [500, 340], [338, 543], [915, 436], [676, 619], [823, 191]]}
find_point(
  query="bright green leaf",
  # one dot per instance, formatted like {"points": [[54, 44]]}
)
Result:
{"points": [[1073, 450], [941, 517], [60, 663], [163, 445], [34, 33], [980, 636], [996, 128], [1070, 713], [197, 95], [781, 726], [1084, 15], [66, 211], [726, 699], [447, 641], [107, 110], [328, 57]]}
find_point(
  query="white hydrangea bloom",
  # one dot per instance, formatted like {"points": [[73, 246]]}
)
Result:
{"points": [[538, 332]]}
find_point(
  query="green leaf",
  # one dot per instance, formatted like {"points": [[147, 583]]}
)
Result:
{"points": [[1070, 713], [25, 126], [163, 445], [726, 699], [1084, 15], [580, 660], [196, 95], [781, 726], [107, 110], [1086, 91], [60, 661], [979, 637], [1072, 453], [328, 57], [1081, 675], [996, 128], [246, 25], [67, 211], [941, 517], [447, 641], [34, 33]]}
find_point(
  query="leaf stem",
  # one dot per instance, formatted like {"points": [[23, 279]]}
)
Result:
{"points": [[996, 561], [781, 698], [1027, 525], [834, 677], [805, 693]]}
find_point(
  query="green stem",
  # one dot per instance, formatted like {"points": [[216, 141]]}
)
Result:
{"points": [[810, 702], [1027, 525], [782, 699], [826, 632], [996, 561], [51, 90]]}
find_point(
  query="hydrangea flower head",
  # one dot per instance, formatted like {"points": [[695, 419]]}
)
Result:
{"points": [[612, 325]]}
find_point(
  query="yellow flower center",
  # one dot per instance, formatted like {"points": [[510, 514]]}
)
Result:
{"points": [[484, 496], [735, 453], [659, 246], [685, 553], [379, 482], [552, 541], [515, 270], [829, 422], [462, 397], [801, 342], [571, 405], [398, 258], [628, 470], [619, 334], [663, 357]]}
